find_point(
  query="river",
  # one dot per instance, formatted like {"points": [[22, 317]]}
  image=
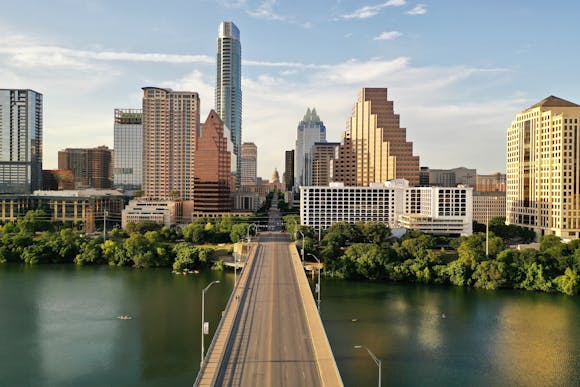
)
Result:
{"points": [[59, 327]]}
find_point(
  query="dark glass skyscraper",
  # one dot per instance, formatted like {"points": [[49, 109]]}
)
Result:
{"points": [[228, 91]]}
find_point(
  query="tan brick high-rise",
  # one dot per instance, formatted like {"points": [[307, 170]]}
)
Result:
{"points": [[213, 167], [170, 122], [378, 143], [543, 174]]}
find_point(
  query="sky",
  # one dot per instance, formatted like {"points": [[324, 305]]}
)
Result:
{"points": [[458, 71]]}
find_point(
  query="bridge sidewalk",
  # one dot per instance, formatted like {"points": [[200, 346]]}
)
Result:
{"points": [[208, 372], [324, 358]]}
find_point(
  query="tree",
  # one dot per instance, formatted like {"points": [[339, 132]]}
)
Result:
{"points": [[238, 232], [490, 275], [568, 283], [35, 220], [375, 232], [369, 260], [535, 279], [90, 253]]}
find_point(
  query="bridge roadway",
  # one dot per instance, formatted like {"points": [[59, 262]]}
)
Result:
{"points": [[272, 334]]}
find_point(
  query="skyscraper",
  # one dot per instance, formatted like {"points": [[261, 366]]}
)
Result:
{"points": [[249, 163], [289, 170], [310, 130], [228, 91], [378, 143], [20, 141], [170, 124], [323, 154], [128, 136], [91, 167], [212, 167], [543, 153]]}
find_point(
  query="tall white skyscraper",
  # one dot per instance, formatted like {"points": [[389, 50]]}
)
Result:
{"points": [[128, 161], [310, 130], [20, 141], [228, 91]]}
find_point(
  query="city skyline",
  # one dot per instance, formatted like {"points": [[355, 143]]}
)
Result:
{"points": [[457, 82]]}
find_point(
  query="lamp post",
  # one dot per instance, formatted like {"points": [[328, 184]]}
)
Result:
{"points": [[105, 213], [376, 360], [203, 332], [302, 249], [318, 285]]}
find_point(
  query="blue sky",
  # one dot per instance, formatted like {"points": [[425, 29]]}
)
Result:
{"points": [[458, 71]]}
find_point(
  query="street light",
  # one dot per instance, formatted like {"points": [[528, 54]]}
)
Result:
{"points": [[318, 285], [302, 249], [203, 326], [376, 359]]}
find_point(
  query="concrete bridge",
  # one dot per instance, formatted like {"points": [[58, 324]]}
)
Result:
{"points": [[271, 333]]}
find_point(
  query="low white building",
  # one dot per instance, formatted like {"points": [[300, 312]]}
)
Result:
{"points": [[437, 210], [164, 212]]}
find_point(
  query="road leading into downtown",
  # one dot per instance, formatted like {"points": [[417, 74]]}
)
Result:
{"points": [[270, 344]]}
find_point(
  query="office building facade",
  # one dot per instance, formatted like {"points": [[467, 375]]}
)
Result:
{"points": [[437, 210], [310, 131], [323, 154], [377, 144], [488, 205], [542, 182], [228, 91], [91, 167], [20, 141], [491, 183], [170, 124], [249, 163], [212, 172], [128, 145]]}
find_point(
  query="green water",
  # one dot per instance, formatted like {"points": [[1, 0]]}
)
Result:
{"points": [[58, 327]]}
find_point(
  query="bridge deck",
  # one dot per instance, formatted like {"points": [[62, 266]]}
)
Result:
{"points": [[271, 333]]}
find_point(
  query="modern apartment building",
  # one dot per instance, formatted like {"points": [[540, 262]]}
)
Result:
{"points": [[289, 170], [543, 156], [20, 141], [437, 210], [323, 154], [212, 167], [170, 124], [310, 131], [228, 91], [128, 137], [91, 167], [377, 143], [249, 163]]}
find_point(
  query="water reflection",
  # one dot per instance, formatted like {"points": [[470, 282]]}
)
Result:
{"points": [[484, 338]]}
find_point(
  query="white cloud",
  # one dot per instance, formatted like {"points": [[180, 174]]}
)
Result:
{"points": [[369, 11], [388, 35], [266, 11], [419, 9]]}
